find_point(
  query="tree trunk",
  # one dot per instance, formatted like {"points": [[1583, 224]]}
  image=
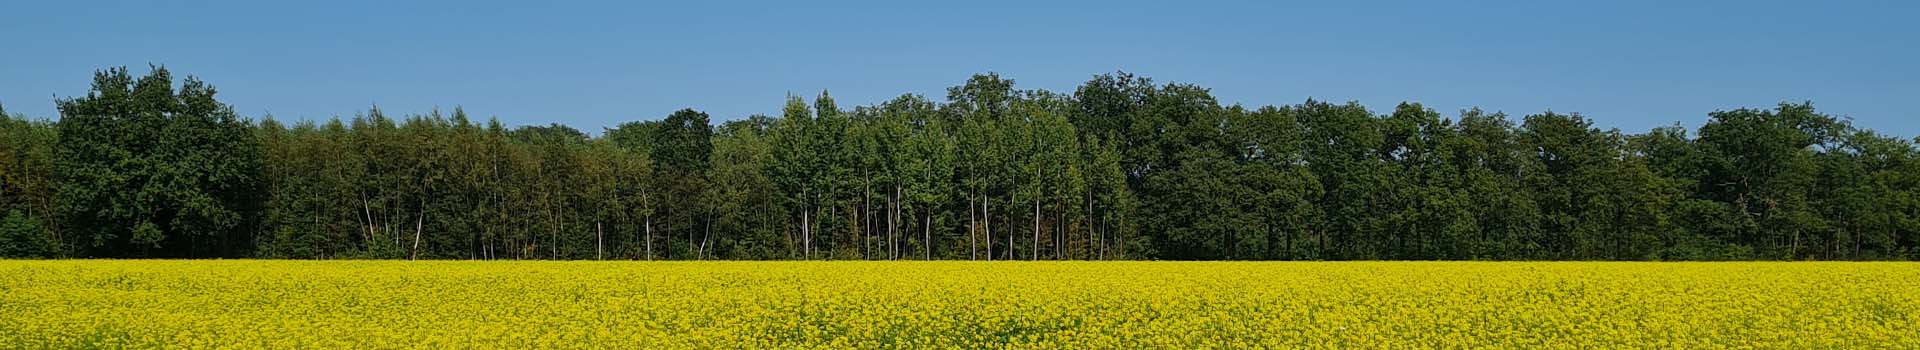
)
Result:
{"points": [[802, 244], [834, 244], [1104, 228], [1060, 244], [708, 238], [666, 229], [927, 242], [806, 233], [1321, 244], [1793, 251], [893, 243], [419, 222], [786, 235], [691, 246], [1120, 239], [1290, 252], [553, 234], [1099, 243], [864, 216], [1010, 217], [648, 226], [367, 209], [1035, 254], [973, 230]]}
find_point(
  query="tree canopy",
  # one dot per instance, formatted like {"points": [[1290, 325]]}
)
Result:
{"points": [[1121, 168]]}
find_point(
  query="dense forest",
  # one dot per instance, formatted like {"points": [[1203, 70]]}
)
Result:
{"points": [[1120, 168]]}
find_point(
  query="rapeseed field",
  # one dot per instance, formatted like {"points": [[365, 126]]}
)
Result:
{"points": [[957, 305]]}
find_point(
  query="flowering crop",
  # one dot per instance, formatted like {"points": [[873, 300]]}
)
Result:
{"points": [[915, 305]]}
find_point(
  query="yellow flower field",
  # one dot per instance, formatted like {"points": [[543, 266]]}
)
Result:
{"points": [[962, 305]]}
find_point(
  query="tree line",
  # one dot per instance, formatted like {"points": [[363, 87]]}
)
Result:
{"points": [[1120, 168]]}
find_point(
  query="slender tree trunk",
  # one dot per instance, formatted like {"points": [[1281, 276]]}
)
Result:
{"points": [[367, 209], [833, 241], [666, 229], [1012, 209], [1290, 252], [786, 234], [986, 221], [419, 222], [893, 243], [1320, 246], [863, 218], [807, 231], [1060, 244], [802, 244], [973, 230], [1104, 228], [927, 230], [1099, 244], [691, 246], [1035, 254], [553, 234], [706, 239], [1120, 238], [893, 220], [1793, 252], [648, 226], [599, 242]]}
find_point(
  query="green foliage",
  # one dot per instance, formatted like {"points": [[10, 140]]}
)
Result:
{"points": [[746, 216], [22, 237], [1121, 169], [146, 170], [26, 170]]}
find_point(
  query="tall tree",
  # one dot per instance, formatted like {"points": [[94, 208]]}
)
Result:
{"points": [[741, 193], [27, 187], [1762, 162], [150, 171], [683, 149]]}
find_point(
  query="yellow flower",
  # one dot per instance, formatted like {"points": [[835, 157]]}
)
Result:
{"points": [[956, 305]]}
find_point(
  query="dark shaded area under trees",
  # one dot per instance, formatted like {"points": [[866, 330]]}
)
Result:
{"points": [[1121, 168]]}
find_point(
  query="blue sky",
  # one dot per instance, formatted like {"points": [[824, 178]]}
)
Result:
{"points": [[1627, 64]]}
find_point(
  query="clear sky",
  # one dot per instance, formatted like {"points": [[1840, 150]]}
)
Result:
{"points": [[1627, 64]]}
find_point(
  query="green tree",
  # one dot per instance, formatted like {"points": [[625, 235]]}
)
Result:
{"points": [[795, 170], [1281, 190], [1762, 163], [742, 195], [682, 150], [1113, 203], [148, 171], [1573, 156], [927, 166], [1342, 142], [1191, 177], [26, 172]]}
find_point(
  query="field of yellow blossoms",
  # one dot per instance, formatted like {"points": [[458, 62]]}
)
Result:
{"points": [[959, 305]]}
